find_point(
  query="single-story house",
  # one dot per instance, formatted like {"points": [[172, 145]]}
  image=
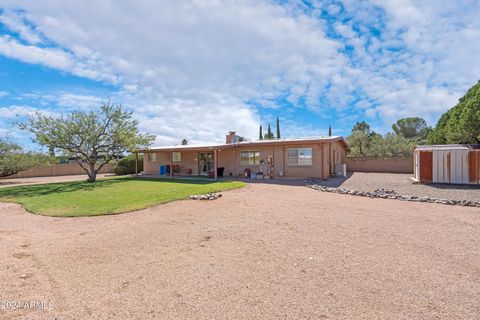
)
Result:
{"points": [[311, 157], [453, 163]]}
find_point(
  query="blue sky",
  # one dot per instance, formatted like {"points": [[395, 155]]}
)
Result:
{"points": [[197, 69]]}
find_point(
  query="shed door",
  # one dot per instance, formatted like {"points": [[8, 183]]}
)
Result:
{"points": [[441, 166], [426, 166], [474, 166], [417, 165]]}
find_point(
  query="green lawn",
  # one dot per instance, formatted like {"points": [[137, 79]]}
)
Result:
{"points": [[106, 196]]}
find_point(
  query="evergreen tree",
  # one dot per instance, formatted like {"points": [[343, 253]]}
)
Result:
{"points": [[260, 136], [460, 124], [412, 128], [278, 128], [329, 131], [269, 135]]}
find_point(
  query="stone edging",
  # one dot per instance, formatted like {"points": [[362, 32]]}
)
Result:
{"points": [[391, 194], [207, 196]]}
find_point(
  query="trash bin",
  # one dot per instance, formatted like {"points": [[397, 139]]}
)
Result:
{"points": [[247, 172], [220, 171], [162, 170]]}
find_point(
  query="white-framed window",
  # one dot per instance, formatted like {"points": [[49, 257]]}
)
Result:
{"points": [[176, 156], [249, 158], [299, 156], [152, 157]]}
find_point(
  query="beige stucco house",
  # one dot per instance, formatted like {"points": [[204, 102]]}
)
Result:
{"points": [[311, 157]]}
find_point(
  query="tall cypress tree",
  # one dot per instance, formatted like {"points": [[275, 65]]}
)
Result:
{"points": [[260, 136], [329, 131], [269, 135], [278, 128]]}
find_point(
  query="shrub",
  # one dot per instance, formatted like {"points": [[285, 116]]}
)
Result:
{"points": [[127, 165]]}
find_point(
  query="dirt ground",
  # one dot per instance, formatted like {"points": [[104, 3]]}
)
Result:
{"points": [[262, 252]]}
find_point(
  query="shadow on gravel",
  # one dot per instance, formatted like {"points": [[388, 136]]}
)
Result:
{"points": [[444, 186]]}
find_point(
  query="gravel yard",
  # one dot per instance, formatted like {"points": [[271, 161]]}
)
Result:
{"points": [[265, 251], [402, 184]]}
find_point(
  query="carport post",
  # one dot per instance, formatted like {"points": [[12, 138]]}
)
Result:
{"points": [[136, 163], [171, 164], [215, 161]]}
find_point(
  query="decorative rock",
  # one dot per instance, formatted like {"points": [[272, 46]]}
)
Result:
{"points": [[208, 196]]}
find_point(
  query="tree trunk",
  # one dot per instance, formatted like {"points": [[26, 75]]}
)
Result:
{"points": [[92, 174]]}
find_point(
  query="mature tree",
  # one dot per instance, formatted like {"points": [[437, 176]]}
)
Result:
{"points": [[87, 137], [269, 135], [412, 128], [260, 136], [364, 142], [390, 145], [460, 124], [184, 142], [329, 131], [361, 126], [14, 159], [278, 128], [360, 138]]}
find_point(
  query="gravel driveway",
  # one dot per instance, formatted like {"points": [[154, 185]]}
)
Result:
{"points": [[262, 252], [403, 185]]}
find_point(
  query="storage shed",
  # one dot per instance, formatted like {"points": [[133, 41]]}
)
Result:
{"points": [[456, 164]]}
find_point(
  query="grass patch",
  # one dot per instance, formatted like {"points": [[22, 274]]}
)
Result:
{"points": [[106, 196]]}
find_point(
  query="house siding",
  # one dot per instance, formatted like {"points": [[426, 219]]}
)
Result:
{"points": [[229, 158]]}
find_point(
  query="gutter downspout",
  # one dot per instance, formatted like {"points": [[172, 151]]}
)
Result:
{"points": [[235, 173], [329, 158]]}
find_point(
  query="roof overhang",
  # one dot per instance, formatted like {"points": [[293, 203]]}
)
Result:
{"points": [[297, 141]]}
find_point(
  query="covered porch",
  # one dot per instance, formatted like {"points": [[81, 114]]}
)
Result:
{"points": [[187, 162]]}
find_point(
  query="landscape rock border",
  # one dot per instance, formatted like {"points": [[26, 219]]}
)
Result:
{"points": [[392, 194], [207, 196]]}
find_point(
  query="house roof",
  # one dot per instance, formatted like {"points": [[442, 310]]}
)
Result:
{"points": [[441, 147], [316, 139]]}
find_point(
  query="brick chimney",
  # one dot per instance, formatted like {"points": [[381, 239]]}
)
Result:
{"points": [[231, 137]]}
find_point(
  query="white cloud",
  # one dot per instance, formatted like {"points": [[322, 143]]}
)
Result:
{"points": [[199, 123], [16, 22], [14, 111], [3, 94], [79, 102], [195, 52], [420, 62], [188, 68], [50, 57]]}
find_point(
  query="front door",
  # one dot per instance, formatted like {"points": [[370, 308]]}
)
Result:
{"points": [[205, 163]]}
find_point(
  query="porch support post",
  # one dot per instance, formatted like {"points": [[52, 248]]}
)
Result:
{"points": [[171, 164], [215, 161], [136, 164]]}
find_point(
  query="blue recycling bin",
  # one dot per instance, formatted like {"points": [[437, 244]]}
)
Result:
{"points": [[163, 170]]}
